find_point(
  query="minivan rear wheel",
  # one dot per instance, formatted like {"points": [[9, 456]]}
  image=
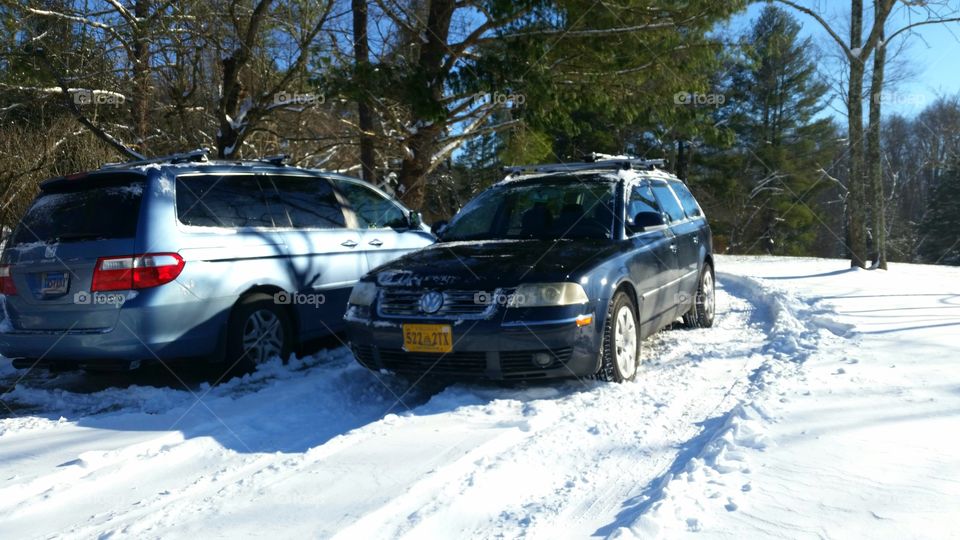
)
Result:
{"points": [[621, 341], [259, 330]]}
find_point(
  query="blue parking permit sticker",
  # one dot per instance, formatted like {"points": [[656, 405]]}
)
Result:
{"points": [[54, 283]]}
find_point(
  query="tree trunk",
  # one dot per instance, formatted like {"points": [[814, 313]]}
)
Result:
{"points": [[140, 107], [232, 127], [361, 52], [682, 160], [421, 144], [856, 219], [416, 166], [874, 157]]}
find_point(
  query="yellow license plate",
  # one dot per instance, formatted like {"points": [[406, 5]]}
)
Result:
{"points": [[435, 338]]}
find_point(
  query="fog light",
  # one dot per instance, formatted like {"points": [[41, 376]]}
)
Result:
{"points": [[542, 359]]}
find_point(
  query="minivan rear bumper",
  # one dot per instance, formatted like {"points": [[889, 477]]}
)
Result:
{"points": [[143, 333]]}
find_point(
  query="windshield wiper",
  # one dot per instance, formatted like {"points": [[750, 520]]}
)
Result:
{"points": [[75, 236]]}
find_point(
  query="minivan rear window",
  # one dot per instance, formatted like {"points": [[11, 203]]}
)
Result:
{"points": [[83, 210]]}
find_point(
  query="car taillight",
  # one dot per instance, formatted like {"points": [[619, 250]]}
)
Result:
{"points": [[136, 271], [6, 281]]}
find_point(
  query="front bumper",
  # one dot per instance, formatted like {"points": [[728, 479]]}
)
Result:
{"points": [[491, 348]]}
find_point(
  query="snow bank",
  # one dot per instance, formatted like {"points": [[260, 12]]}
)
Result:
{"points": [[712, 471]]}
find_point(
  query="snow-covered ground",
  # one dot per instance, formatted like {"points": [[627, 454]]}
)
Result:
{"points": [[825, 403]]}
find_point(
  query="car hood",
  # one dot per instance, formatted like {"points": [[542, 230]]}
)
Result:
{"points": [[491, 264]]}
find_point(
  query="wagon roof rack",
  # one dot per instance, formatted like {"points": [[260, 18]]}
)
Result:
{"points": [[198, 155], [591, 162], [276, 159]]}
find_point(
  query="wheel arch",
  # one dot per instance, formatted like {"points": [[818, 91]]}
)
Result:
{"points": [[708, 261], [268, 290]]}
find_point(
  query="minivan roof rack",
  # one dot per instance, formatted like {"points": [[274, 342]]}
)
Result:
{"points": [[591, 162], [198, 155]]}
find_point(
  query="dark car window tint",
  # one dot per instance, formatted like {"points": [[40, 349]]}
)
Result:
{"points": [[77, 213], [222, 201], [689, 204], [668, 202], [303, 203], [373, 210], [559, 208], [641, 200], [475, 224]]}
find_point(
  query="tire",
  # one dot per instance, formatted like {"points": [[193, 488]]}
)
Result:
{"points": [[704, 307], [258, 330], [620, 357]]}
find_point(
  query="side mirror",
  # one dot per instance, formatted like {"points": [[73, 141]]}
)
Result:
{"points": [[414, 219], [647, 219], [438, 227]]}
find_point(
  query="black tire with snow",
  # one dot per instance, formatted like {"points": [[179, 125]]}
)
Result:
{"points": [[704, 307], [620, 356]]}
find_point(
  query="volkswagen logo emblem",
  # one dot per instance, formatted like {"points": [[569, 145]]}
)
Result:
{"points": [[431, 302]]}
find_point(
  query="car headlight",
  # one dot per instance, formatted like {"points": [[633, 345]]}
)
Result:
{"points": [[547, 294], [363, 294]]}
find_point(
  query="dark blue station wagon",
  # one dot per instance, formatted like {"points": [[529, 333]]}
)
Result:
{"points": [[557, 271]]}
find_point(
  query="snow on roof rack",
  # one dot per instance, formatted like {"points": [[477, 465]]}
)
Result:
{"points": [[591, 162], [198, 155]]}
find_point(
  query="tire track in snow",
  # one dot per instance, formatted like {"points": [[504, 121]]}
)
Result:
{"points": [[578, 467], [714, 465]]}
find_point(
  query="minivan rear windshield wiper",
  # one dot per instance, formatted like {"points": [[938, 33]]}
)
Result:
{"points": [[66, 237]]}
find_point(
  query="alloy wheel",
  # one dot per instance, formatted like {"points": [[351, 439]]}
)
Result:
{"points": [[262, 336], [625, 341]]}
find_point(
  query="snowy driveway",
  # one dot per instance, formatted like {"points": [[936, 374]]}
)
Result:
{"points": [[824, 403]]}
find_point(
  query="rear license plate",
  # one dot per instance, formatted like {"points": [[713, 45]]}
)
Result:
{"points": [[434, 338], [53, 283]]}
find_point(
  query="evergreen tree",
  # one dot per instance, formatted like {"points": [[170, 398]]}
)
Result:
{"points": [[615, 92], [940, 228], [772, 171]]}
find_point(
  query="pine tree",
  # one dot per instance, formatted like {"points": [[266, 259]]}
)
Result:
{"points": [[773, 99]]}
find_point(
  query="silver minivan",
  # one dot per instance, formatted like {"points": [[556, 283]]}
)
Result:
{"points": [[183, 257]]}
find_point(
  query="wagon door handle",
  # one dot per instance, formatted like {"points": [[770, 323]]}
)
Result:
{"points": [[696, 239], [375, 242], [673, 248], [348, 243]]}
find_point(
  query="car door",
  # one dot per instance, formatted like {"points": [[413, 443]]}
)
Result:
{"points": [[652, 264], [323, 256], [383, 225], [685, 243]]}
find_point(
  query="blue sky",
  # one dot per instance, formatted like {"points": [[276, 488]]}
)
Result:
{"points": [[931, 55]]}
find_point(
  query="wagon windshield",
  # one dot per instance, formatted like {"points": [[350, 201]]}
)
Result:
{"points": [[561, 208]]}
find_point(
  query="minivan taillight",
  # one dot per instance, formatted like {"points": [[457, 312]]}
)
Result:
{"points": [[6, 280], [136, 271]]}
